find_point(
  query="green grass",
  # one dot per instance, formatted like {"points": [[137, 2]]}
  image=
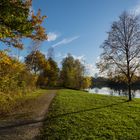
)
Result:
{"points": [[77, 115]]}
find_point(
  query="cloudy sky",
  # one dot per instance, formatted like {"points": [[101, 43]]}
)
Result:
{"points": [[79, 26]]}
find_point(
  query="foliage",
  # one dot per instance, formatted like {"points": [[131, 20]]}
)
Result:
{"points": [[35, 61], [52, 73], [17, 21], [47, 70], [49, 75], [77, 115], [72, 73], [86, 82], [42, 80], [121, 51], [14, 77]]}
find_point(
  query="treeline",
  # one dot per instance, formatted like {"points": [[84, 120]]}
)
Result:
{"points": [[39, 72], [115, 82], [71, 75], [108, 82]]}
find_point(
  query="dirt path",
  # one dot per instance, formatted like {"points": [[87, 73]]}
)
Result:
{"points": [[28, 128]]}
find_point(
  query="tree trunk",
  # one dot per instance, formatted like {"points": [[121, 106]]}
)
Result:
{"points": [[129, 91]]}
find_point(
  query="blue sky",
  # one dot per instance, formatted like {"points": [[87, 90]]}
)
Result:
{"points": [[79, 26]]}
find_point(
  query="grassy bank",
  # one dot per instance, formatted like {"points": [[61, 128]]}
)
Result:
{"points": [[77, 115]]}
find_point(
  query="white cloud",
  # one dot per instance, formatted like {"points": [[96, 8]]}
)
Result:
{"points": [[58, 55], [91, 70], [20, 58], [65, 41], [52, 36]]}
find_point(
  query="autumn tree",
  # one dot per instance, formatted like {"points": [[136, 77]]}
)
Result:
{"points": [[14, 77], [49, 75], [86, 82], [42, 80], [52, 73], [35, 61], [121, 50], [18, 21]]}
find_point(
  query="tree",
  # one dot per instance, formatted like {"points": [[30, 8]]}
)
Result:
{"points": [[86, 82], [14, 77], [17, 21], [49, 74], [35, 61], [42, 80], [72, 73], [52, 73], [121, 50]]}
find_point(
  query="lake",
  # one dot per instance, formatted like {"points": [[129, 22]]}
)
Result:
{"points": [[114, 92]]}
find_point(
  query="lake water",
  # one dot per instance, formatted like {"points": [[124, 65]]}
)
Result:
{"points": [[112, 92]]}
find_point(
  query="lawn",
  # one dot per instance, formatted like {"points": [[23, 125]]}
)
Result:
{"points": [[78, 115]]}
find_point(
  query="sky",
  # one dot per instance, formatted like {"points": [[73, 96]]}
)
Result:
{"points": [[79, 27]]}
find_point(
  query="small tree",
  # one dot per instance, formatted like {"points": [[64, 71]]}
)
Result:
{"points": [[52, 73], [48, 77], [86, 82], [35, 61], [121, 50]]}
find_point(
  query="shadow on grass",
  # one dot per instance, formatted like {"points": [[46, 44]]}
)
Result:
{"points": [[42, 119]]}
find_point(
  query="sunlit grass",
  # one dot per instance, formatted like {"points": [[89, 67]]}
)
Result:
{"points": [[77, 115]]}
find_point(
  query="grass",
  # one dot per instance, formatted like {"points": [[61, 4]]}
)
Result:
{"points": [[10, 104], [77, 115]]}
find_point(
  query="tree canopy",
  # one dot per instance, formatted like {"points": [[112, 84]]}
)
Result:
{"points": [[18, 21], [35, 61], [72, 73]]}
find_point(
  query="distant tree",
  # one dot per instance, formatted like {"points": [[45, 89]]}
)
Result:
{"points": [[72, 73], [49, 74], [42, 80], [52, 73], [35, 61], [86, 82], [17, 21], [121, 50]]}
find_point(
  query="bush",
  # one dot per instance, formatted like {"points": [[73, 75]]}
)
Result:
{"points": [[14, 77]]}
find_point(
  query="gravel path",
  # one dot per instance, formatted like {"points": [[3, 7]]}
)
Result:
{"points": [[28, 128]]}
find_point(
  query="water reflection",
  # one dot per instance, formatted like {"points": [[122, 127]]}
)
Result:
{"points": [[114, 91]]}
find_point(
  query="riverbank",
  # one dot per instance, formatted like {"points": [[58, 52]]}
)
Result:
{"points": [[77, 115]]}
